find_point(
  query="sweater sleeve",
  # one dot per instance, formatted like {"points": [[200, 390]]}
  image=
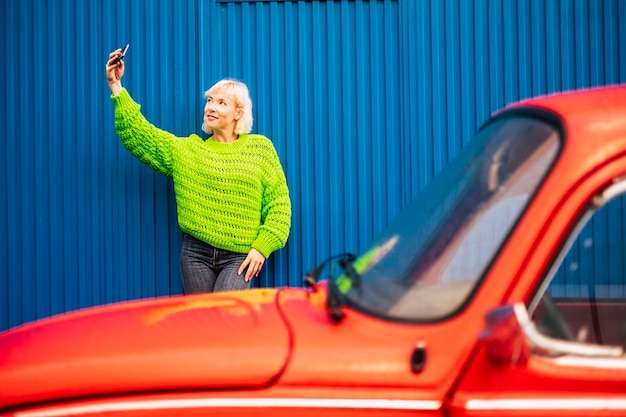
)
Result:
{"points": [[150, 145], [276, 210]]}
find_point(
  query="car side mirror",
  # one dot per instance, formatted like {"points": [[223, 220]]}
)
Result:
{"points": [[503, 336], [510, 336]]}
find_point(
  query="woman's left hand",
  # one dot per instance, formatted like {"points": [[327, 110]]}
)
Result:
{"points": [[254, 262]]}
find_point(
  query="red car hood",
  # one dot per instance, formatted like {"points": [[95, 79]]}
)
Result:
{"points": [[188, 342]]}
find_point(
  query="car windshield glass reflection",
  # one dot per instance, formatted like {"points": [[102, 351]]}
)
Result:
{"points": [[426, 264]]}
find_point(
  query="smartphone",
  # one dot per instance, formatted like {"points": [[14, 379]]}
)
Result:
{"points": [[124, 50]]}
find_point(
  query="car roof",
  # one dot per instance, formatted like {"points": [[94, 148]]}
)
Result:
{"points": [[593, 123]]}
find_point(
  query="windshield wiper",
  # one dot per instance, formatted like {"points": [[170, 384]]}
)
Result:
{"points": [[311, 277], [347, 266], [334, 299]]}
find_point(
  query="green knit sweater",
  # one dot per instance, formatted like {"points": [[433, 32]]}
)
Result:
{"points": [[232, 196]]}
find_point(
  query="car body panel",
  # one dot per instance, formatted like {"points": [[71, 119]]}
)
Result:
{"points": [[279, 352], [364, 351], [563, 386], [192, 342]]}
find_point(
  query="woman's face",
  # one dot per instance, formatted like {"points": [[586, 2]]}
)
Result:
{"points": [[220, 112]]}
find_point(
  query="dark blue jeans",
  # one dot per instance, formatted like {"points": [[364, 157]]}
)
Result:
{"points": [[205, 268]]}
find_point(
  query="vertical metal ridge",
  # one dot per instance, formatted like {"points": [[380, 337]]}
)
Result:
{"points": [[24, 163], [334, 136], [511, 53], [5, 238], [365, 102], [453, 79], [348, 129], [319, 135], [293, 142], [425, 83], [11, 214], [538, 47], [468, 71], [567, 50]]}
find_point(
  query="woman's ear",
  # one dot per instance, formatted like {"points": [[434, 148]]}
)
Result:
{"points": [[239, 113]]}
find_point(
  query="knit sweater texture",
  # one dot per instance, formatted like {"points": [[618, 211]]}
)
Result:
{"points": [[233, 196]]}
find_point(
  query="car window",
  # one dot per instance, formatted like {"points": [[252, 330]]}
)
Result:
{"points": [[427, 262], [585, 300]]}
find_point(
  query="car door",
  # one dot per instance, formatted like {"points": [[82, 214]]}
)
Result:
{"points": [[560, 351]]}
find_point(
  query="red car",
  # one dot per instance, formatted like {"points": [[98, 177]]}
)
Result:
{"points": [[500, 292]]}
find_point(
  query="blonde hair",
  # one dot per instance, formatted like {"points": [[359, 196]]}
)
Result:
{"points": [[238, 92]]}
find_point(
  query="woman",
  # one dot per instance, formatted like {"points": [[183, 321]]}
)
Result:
{"points": [[231, 192]]}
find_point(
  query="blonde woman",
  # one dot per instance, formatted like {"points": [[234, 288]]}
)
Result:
{"points": [[231, 192]]}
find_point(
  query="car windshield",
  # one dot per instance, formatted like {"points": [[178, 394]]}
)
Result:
{"points": [[426, 264]]}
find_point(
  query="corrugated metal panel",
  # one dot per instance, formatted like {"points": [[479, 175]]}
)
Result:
{"points": [[85, 224], [365, 100]]}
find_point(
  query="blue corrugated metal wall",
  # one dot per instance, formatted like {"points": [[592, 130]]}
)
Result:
{"points": [[365, 101]]}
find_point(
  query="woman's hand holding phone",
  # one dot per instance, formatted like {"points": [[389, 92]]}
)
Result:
{"points": [[115, 69]]}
